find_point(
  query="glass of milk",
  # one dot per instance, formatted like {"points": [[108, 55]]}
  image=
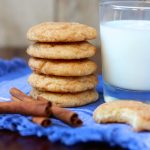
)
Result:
{"points": [[125, 48]]}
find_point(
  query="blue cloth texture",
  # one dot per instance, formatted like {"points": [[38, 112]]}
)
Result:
{"points": [[15, 73]]}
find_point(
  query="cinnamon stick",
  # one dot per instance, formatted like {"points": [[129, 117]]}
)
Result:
{"points": [[65, 115], [31, 109], [15, 99], [43, 121], [20, 95], [40, 98]]}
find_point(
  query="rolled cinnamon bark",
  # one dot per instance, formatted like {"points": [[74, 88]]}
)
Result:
{"points": [[43, 121], [15, 99], [40, 98], [31, 109], [65, 115], [20, 95]]}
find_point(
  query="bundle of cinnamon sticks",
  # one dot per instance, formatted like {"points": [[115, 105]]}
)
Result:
{"points": [[41, 110]]}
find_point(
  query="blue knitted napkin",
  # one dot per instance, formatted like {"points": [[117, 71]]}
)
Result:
{"points": [[14, 73]]}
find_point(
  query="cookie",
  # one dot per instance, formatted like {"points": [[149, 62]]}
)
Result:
{"points": [[63, 67], [62, 84], [62, 50], [135, 113], [61, 32], [67, 99]]}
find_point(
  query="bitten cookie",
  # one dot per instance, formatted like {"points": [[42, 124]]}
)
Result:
{"points": [[137, 114], [61, 32], [67, 99], [62, 50], [63, 67], [62, 84]]}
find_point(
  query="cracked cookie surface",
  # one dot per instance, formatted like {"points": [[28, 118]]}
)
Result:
{"points": [[63, 67], [61, 32], [135, 113], [62, 84], [67, 99], [62, 50]]}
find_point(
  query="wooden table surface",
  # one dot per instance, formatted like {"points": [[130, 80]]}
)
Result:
{"points": [[13, 141]]}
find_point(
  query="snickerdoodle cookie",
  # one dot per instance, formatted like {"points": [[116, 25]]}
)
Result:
{"points": [[67, 99], [62, 84], [61, 32], [62, 50], [63, 67], [135, 113]]}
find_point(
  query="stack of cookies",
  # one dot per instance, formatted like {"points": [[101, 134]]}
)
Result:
{"points": [[62, 72]]}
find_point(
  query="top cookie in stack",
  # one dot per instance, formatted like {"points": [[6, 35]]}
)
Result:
{"points": [[63, 74]]}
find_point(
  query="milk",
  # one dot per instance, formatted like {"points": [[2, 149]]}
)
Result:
{"points": [[126, 53]]}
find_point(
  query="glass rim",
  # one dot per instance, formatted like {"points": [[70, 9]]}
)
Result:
{"points": [[120, 4]]}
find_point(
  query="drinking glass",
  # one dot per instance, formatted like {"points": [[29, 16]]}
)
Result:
{"points": [[125, 48]]}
